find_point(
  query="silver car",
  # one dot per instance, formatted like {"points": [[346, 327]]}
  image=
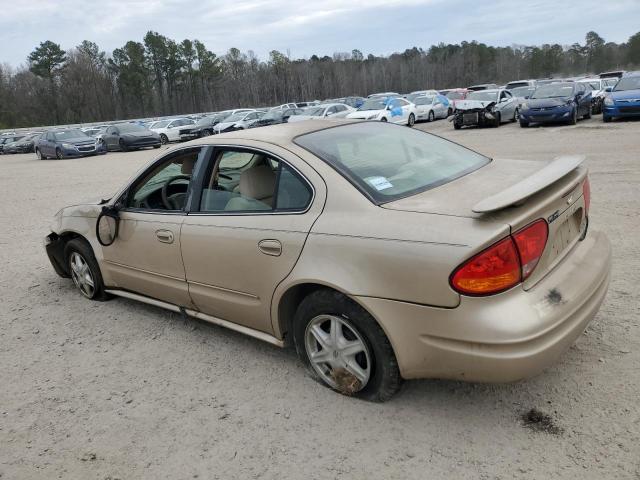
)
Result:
{"points": [[486, 108]]}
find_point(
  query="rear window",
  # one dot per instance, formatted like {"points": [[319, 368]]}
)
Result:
{"points": [[387, 162]]}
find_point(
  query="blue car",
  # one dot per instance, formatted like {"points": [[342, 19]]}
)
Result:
{"points": [[562, 102], [67, 143], [623, 100]]}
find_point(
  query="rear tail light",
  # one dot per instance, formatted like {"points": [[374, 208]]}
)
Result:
{"points": [[504, 264], [586, 193]]}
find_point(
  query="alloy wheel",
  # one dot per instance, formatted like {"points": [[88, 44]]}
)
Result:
{"points": [[337, 352], [432, 117], [81, 275]]}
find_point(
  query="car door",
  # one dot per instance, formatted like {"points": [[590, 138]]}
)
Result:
{"points": [[45, 145], [255, 212], [111, 138], [439, 108], [585, 99], [145, 257]]}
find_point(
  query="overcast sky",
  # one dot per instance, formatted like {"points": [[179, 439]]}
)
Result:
{"points": [[307, 27]]}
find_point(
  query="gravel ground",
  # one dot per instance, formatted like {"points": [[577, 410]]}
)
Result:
{"points": [[123, 390]]}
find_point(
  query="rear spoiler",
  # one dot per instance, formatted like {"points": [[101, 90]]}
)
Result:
{"points": [[522, 190]]}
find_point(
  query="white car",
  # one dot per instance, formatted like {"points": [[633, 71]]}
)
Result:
{"points": [[326, 110], [169, 129], [430, 107], [238, 121], [386, 109], [598, 91], [384, 94]]}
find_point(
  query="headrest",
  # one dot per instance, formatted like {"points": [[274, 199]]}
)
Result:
{"points": [[258, 182], [188, 164]]}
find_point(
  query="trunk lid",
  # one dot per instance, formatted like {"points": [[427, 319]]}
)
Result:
{"points": [[515, 193]]}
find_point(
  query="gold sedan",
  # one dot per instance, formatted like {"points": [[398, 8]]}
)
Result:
{"points": [[381, 252]]}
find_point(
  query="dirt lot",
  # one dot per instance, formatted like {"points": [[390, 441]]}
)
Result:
{"points": [[124, 390]]}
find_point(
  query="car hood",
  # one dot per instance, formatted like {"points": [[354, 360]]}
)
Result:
{"points": [[365, 113], [473, 104], [300, 118], [458, 197], [77, 141], [150, 133], [547, 102], [223, 125], [626, 95]]}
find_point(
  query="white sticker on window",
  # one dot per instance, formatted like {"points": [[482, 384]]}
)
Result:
{"points": [[379, 183]]}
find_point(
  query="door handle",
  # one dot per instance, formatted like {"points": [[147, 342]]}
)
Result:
{"points": [[270, 247], [165, 236]]}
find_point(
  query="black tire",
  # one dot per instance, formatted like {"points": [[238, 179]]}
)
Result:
{"points": [[383, 119], [516, 115], [524, 124], [164, 139], [456, 125], [587, 115], [431, 116], [574, 117], [59, 154], [449, 112], [40, 155], [81, 247], [498, 119], [412, 120], [123, 145], [156, 146], [606, 118], [206, 133], [384, 380]]}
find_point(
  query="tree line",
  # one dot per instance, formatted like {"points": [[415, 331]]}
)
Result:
{"points": [[160, 76]]}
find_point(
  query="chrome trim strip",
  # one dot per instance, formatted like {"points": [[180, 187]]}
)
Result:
{"points": [[110, 262], [223, 289], [238, 328], [143, 299]]}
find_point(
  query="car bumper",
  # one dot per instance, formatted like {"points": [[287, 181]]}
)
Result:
{"points": [[559, 114], [505, 337], [72, 152], [54, 247], [629, 110]]}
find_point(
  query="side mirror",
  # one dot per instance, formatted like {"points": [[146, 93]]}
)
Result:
{"points": [[107, 226]]}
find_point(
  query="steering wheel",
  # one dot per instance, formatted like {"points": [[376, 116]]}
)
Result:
{"points": [[165, 198]]}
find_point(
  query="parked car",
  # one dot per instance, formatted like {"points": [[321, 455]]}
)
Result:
{"points": [[455, 95], [202, 128], [169, 130], [421, 93], [129, 136], [598, 91], [94, 130], [67, 143], [483, 86], [275, 117], [430, 107], [623, 100], [386, 109], [520, 83], [7, 139], [328, 110], [449, 264], [24, 144], [485, 108], [238, 121], [557, 102]]}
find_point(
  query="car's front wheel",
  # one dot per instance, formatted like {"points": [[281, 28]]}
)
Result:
{"points": [[432, 116], [344, 348], [574, 117], [412, 120], [40, 155], [84, 270], [164, 139], [123, 145]]}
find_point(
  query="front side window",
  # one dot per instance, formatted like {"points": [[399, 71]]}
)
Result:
{"points": [[246, 181], [387, 162], [165, 186]]}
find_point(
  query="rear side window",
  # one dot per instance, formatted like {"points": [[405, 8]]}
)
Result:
{"points": [[387, 162]]}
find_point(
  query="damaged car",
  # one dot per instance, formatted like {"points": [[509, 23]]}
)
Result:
{"points": [[485, 108]]}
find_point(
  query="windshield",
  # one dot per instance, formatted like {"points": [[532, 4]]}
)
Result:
{"points": [[483, 96], [554, 90], [161, 124], [67, 134], [455, 96], [205, 121], [131, 127], [374, 104], [522, 91], [595, 85], [627, 83], [236, 117], [387, 162], [423, 101]]}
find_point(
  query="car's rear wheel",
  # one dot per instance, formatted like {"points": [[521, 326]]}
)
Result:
{"points": [[449, 112], [344, 348], [432, 116], [516, 115], [84, 270], [164, 139], [412, 120], [587, 115], [58, 154], [123, 145]]}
